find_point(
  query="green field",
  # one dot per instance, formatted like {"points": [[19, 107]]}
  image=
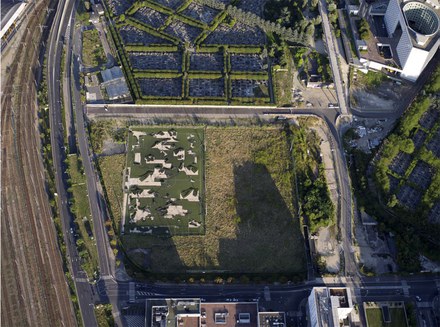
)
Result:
{"points": [[165, 182], [92, 50], [112, 167], [250, 223], [375, 318], [83, 218]]}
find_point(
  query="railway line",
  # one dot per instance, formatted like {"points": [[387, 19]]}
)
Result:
{"points": [[34, 291]]}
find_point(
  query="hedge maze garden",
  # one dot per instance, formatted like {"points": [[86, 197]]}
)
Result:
{"points": [[193, 51]]}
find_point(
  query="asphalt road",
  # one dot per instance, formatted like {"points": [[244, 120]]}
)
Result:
{"points": [[58, 29], [333, 57], [97, 203]]}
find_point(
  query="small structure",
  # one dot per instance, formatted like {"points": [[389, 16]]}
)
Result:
{"points": [[99, 9], [271, 319], [353, 10], [315, 81], [137, 158], [405, 37], [330, 306], [115, 84], [361, 45]]}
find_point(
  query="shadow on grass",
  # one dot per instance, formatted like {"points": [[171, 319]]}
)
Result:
{"points": [[268, 235], [268, 240]]}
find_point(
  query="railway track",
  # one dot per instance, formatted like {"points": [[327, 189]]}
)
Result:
{"points": [[34, 291]]}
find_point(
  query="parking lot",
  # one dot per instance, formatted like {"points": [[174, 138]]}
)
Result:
{"points": [[134, 36], [419, 138], [156, 60], [421, 175], [150, 17], [249, 88], [119, 6], [207, 87], [199, 12], [170, 3], [206, 61], [182, 31], [434, 215], [240, 34], [409, 197], [434, 144], [246, 62], [400, 163], [255, 6], [429, 119], [167, 87]]}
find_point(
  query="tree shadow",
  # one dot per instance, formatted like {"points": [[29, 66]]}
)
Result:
{"points": [[268, 238]]}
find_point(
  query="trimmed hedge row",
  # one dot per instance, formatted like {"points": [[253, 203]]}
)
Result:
{"points": [[157, 74], [151, 48], [204, 75], [253, 76]]}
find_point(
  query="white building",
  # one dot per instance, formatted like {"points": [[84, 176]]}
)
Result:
{"points": [[329, 307], [413, 37]]}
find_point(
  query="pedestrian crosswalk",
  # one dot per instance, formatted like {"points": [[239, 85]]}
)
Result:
{"points": [[142, 293]]}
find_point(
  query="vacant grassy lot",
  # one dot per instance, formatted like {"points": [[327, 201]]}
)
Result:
{"points": [[103, 313], [250, 221], [83, 219], [375, 318], [92, 50], [111, 168]]}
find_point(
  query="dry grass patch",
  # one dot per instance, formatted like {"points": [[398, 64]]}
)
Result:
{"points": [[111, 168], [250, 220]]}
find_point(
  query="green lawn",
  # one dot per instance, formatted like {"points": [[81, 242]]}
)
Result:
{"points": [[188, 143], [370, 80], [92, 50], [375, 318], [83, 219]]}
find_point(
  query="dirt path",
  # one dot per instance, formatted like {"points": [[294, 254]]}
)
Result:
{"points": [[325, 242]]}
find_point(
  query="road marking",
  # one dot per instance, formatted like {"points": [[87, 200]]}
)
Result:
{"points": [[81, 280], [267, 293], [405, 288]]}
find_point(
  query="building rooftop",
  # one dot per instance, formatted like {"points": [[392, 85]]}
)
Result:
{"points": [[110, 74], [272, 319], [379, 45], [331, 306], [234, 314], [173, 312]]}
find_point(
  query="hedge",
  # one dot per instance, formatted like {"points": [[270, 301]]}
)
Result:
{"points": [[252, 76], [151, 48]]}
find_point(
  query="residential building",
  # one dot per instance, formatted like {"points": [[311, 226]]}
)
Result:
{"points": [[404, 37], [330, 307]]}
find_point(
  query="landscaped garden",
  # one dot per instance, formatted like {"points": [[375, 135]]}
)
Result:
{"points": [[179, 46]]}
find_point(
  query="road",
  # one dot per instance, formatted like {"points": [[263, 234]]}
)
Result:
{"points": [[333, 58], [58, 29], [98, 206]]}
